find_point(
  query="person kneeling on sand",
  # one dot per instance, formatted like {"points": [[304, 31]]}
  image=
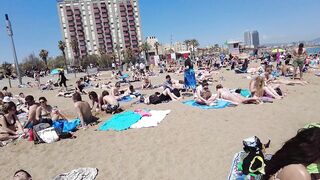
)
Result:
{"points": [[110, 104], [22, 175], [83, 110], [204, 95], [234, 98], [10, 126]]}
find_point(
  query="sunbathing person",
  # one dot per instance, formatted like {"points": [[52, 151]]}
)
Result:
{"points": [[47, 113], [165, 96], [234, 98], [131, 92], [204, 95], [291, 161], [146, 83], [83, 110], [116, 91], [10, 126], [110, 104], [80, 86], [258, 88], [32, 111]]}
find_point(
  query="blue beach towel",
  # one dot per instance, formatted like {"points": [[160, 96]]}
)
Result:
{"points": [[126, 99], [66, 126], [120, 122], [220, 104], [245, 93]]}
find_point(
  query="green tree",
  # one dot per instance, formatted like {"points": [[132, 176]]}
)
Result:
{"points": [[7, 71], [62, 47], [75, 49], [187, 43], [156, 45], [43, 54], [145, 47], [57, 62], [128, 54], [31, 63], [194, 43]]}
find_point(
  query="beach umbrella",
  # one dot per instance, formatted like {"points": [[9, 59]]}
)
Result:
{"points": [[277, 49], [56, 71]]}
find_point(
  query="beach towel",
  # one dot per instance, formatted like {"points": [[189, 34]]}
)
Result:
{"points": [[235, 173], [151, 121], [245, 93], [126, 99], [66, 126], [120, 122], [220, 104], [79, 174]]}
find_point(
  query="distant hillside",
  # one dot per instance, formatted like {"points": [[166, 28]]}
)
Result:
{"points": [[317, 41]]}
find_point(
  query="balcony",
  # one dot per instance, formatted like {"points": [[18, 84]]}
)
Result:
{"points": [[77, 12], [100, 36], [106, 25], [99, 26], [130, 8], [104, 15], [104, 11], [97, 16], [82, 43], [103, 5], [72, 29], [80, 33], [101, 40], [130, 13], [98, 21], [126, 34], [73, 34], [79, 28], [105, 20], [124, 24], [78, 17], [79, 23], [69, 13], [133, 33], [127, 39], [70, 18], [123, 14], [107, 31], [125, 29], [132, 24], [134, 37], [124, 19], [122, 9], [71, 24], [96, 10], [81, 38], [131, 18], [99, 31], [132, 28], [109, 40]]}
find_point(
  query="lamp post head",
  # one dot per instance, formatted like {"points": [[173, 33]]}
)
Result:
{"points": [[7, 17]]}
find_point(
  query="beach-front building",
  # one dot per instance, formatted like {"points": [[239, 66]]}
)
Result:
{"points": [[96, 26]]}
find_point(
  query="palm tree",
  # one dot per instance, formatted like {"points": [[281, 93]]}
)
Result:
{"points": [[194, 44], [145, 47], [156, 45], [7, 71], [44, 55], [75, 48], [62, 47], [187, 43]]}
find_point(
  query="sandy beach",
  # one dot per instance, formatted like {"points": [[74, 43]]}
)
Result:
{"points": [[189, 144]]}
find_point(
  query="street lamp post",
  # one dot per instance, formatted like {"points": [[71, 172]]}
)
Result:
{"points": [[10, 34]]}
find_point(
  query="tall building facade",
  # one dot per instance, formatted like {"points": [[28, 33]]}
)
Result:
{"points": [[255, 39], [100, 26], [247, 38]]}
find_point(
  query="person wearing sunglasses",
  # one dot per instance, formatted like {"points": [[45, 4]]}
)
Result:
{"points": [[46, 112], [10, 127]]}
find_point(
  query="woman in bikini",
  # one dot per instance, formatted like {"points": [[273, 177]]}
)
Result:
{"points": [[46, 113], [234, 98], [258, 88], [291, 161], [10, 127]]}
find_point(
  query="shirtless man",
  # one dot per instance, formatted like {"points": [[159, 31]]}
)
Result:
{"points": [[83, 110], [32, 111], [204, 95], [110, 104], [116, 92], [234, 98], [300, 55]]}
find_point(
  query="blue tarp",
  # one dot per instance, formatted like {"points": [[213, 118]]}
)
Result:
{"points": [[120, 122]]}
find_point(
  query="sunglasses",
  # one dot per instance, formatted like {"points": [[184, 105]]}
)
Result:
{"points": [[41, 102]]}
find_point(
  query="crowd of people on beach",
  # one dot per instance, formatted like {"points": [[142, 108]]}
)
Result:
{"points": [[264, 86]]}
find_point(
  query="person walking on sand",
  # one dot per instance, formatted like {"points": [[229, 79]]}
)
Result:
{"points": [[300, 55], [62, 79]]}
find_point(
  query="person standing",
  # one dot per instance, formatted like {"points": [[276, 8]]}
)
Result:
{"points": [[62, 79], [300, 55], [189, 75]]}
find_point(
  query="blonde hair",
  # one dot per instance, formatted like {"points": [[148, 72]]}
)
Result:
{"points": [[259, 85]]}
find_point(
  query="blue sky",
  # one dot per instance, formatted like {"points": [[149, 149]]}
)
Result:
{"points": [[36, 24]]}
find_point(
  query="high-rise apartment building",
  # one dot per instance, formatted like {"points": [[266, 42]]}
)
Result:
{"points": [[255, 39], [247, 38], [96, 26]]}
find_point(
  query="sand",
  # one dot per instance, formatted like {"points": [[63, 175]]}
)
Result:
{"points": [[189, 144]]}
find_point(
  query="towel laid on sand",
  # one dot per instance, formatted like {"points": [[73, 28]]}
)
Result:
{"points": [[220, 104], [120, 122], [79, 174], [126, 99], [151, 121], [234, 173], [66, 126]]}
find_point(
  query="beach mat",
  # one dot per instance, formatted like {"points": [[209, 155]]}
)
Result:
{"points": [[120, 122], [126, 99], [151, 121], [235, 174], [79, 174], [220, 104]]}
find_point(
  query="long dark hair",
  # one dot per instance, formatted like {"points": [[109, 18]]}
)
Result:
{"points": [[304, 149], [300, 50]]}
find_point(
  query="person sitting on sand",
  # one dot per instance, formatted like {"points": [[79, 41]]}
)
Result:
{"points": [[22, 175], [6, 92], [110, 104], [234, 98], [80, 86], [291, 161], [83, 110], [46, 113], [116, 91], [131, 92], [146, 83], [258, 88], [204, 95], [97, 101], [32, 111], [10, 126]]}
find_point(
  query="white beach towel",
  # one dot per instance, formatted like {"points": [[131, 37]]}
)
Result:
{"points": [[79, 174], [152, 121]]}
